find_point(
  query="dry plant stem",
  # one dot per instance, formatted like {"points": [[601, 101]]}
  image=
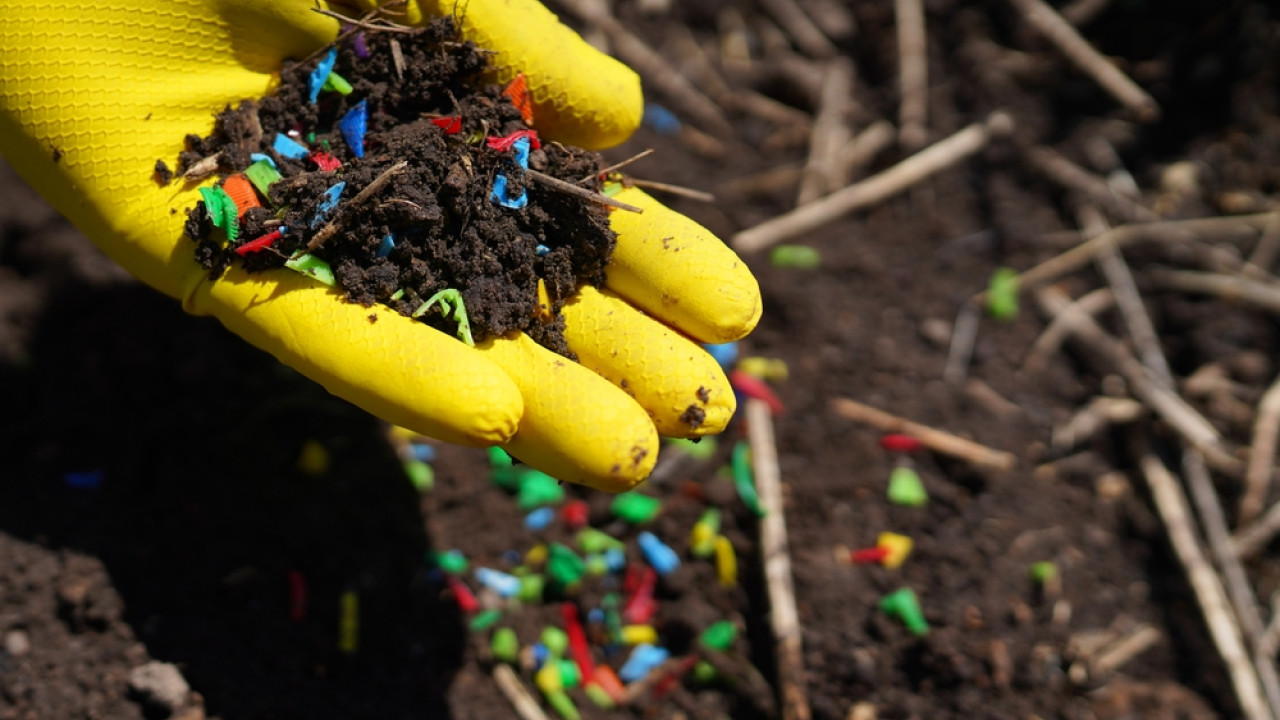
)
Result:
{"points": [[830, 132], [1252, 538], [936, 440], [1080, 12], [570, 189], [1171, 505], [1117, 654], [859, 152], [913, 73], [617, 166], [361, 197], [1059, 329], [1264, 253], [1069, 175], [680, 190], [1076, 49], [521, 700], [778, 179], [963, 336], [875, 189], [783, 615], [652, 67], [1225, 287], [808, 36], [1262, 455], [365, 23], [397, 58], [704, 74]]}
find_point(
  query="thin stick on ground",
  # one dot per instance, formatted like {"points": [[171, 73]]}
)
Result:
{"points": [[520, 698], [361, 197], [1069, 175], [808, 36], [783, 614], [875, 189], [1262, 455], [913, 73], [1059, 329], [1171, 505], [1252, 538], [936, 440], [1230, 288], [682, 191], [859, 152], [578, 191], [1083, 55], [618, 165], [830, 131], [1265, 252]]}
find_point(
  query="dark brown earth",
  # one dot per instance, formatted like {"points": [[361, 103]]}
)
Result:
{"points": [[182, 553]]}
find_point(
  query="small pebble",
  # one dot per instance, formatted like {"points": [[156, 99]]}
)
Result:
{"points": [[17, 643], [160, 684]]}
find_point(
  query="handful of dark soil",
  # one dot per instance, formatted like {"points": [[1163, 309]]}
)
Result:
{"points": [[428, 196]]}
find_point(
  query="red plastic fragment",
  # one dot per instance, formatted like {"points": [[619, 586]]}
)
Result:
{"points": [[575, 514], [466, 600], [258, 244], [871, 555], [668, 681], [640, 605], [505, 143], [579, 649], [754, 387], [450, 125], [895, 442], [324, 161], [297, 596], [518, 91]]}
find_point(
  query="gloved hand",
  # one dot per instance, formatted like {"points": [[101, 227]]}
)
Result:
{"points": [[92, 94]]}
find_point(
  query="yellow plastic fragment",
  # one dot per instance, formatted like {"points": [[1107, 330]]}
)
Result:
{"points": [[899, 547], [639, 635], [313, 459], [726, 562], [349, 622]]}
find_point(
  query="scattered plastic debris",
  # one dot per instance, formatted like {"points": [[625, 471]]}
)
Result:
{"points": [[318, 76], [353, 125], [898, 443], [661, 557], [724, 353], [903, 605], [661, 120], [1002, 294], [643, 659], [795, 257], [906, 488], [636, 508], [313, 459], [311, 266], [349, 622]]}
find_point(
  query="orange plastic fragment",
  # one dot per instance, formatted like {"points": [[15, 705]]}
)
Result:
{"points": [[518, 91], [604, 676], [240, 190]]}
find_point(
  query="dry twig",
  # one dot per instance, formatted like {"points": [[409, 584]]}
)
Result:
{"points": [[577, 191], [682, 191], [936, 440], [1262, 455], [521, 700], [830, 132], [913, 73], [1230, 288], [1069, 175], [361, 197], [808, 36]]}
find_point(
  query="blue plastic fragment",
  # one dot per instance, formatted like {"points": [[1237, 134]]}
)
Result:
{"points": [[662, 558], [389, 244], [724, 353], [353, 126], [541, 250], [84, 480], [521, 148], [615, 559], [329, 202], [539, 519], [540, 654], [643, 658], [595, 615], [288, 148], [423, 452], [321, 73], [662, 120], [505, 584], [512, 557], [499, 194], [255, 157]]}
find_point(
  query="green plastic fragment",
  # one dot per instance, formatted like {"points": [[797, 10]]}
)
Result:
{"points": [[704, 673], [484, 620], [1043, 572], [906, 488], [903, 605], [311, 138], [744, 480], [311, 266], [570, 673], [337, 83], [537, 489], [612, 618], [596, 565], [222, 210], [262, 174], [531, 587], [555, 640], [397, 295], [719, 635], [420, 474], [504, 646], [701, 450], [594, 540], [635, 508], [451, 305], [450, 561], [1002, 294], [800, 257], [563, 565], [563, 705], [599, 696], [610, 189]]}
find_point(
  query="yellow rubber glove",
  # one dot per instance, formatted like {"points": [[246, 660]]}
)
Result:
{"points": [[92, 94]]}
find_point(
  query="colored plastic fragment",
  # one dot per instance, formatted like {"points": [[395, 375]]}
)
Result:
{"points": [[593, 540], [639, 635], [507, 142], [505, 584], [570, 675], [359, 46], [420, 475], [538, 488], [769, 369], [897, 442], [635, 508], [1043, 573], [451, 305], [287, 147], [1002, 294], [386, 246], [450, 561], [575, 514], [579, 649], [640, 604], [262, 173], [548, 678], [423, 452], [450, 125], [518, 92], [704, 673], [724, 353], [328, 203], [263, 157], [324, 161], [531, 588], [312, 267], [318, 76], [337, 83], [643, 659], [753, 387], [485, 620], [221, 209], [744, 478], [240, 189], [564, 566], [354, 125], [349, 622], [599, 696], [501, 192], [84, 480], [726, 562], [906, 488], [504, 646], [555, 640], [903, 605], [615, 559], [313, 458], [699, 449], [719, 635], [539, 519], [260, 243], [596, 564], [662, 120], [606, 679], [537, 555], [795, 257], [869, 556], [663, 559], [702, 539], [563, 705], [897, 548], [462, 594]]}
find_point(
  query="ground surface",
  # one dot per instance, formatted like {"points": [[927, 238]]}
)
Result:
{"points": [[181, 554]]}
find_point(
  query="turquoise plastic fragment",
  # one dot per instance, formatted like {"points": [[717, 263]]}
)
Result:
{"points": [[311, 266], [320, 75], [286, 146], [330, 201], [388, 244]]}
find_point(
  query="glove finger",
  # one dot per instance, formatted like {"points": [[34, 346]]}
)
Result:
{"points": [[681, 387], [394, 367], [679, 272], [576, 426]]}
